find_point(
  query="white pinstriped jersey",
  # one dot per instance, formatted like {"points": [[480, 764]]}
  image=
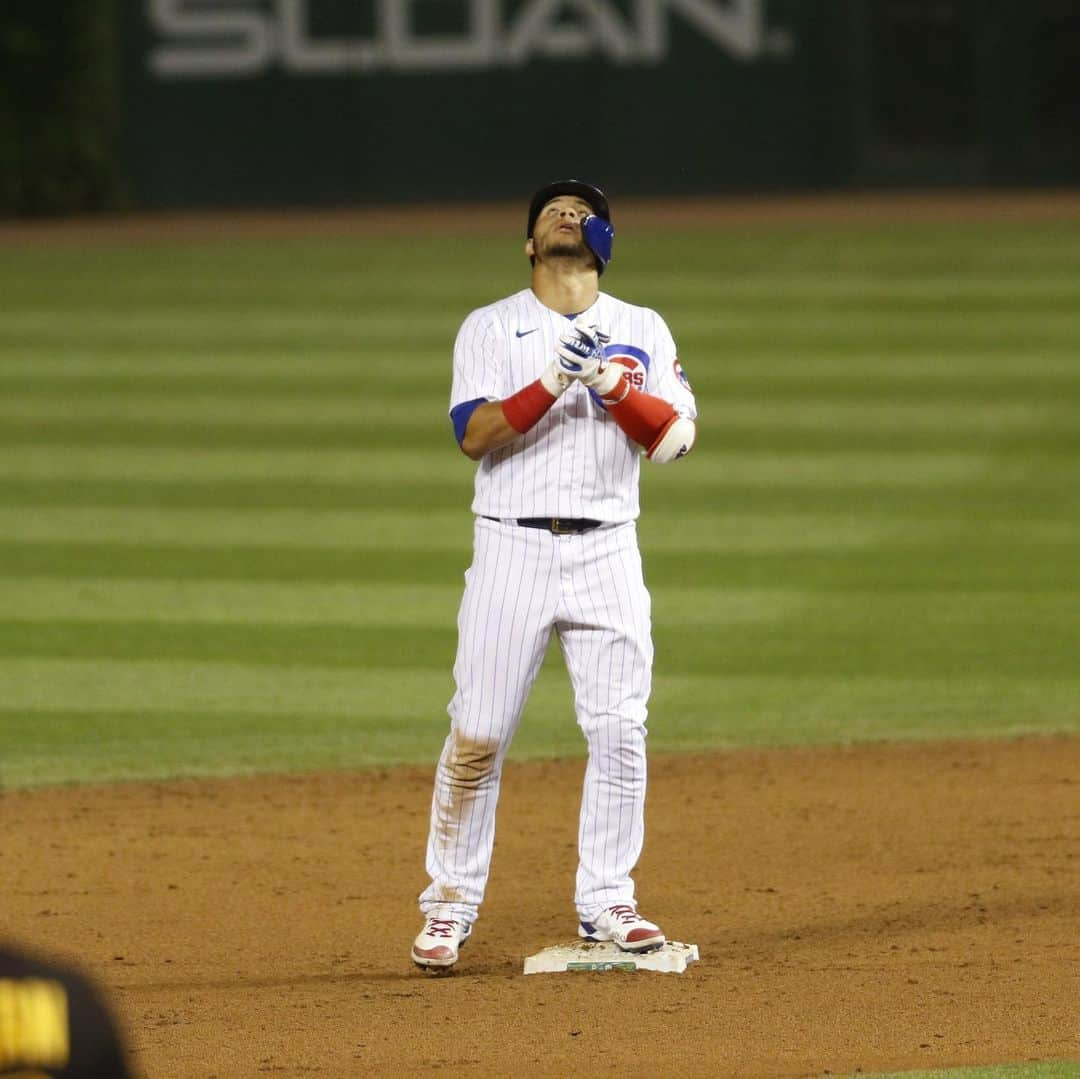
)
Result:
{"points": [[576, 462]]}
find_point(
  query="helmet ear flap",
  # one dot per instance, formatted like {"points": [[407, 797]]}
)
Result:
{"points": [[599, 236]]}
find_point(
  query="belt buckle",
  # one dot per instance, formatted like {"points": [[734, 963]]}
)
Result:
{"points": [[558, 530]]}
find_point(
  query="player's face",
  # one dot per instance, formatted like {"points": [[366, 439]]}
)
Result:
{"points": [[557, 232]]}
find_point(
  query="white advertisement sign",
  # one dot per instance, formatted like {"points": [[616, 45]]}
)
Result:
{"points": [[245, 38]]}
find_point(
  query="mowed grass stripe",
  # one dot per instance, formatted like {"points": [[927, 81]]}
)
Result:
{"points": [[884, 636], [1041, 488], [58, 746], [261, 409], [734, 428], [702, 529], [112, 719], [381, 326], [894, 564], [123, 416], [230, 602], [706, 468], [198, 463], [360, 347], [882, 251], [230, 368], [1054, 1069], [737, 709], [420, 529], [970, 335], [346, 278], [963, 331], [414, 529], [749, 300], [370, 605], [1034, 302], [361, 493], [1051, 290], [240, 372], [219, 688], [184, 562], [435, 436], [432, 433], [382, 648], [1047, 279]]}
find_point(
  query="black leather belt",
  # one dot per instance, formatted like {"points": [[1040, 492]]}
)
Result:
{"points": [[559, 526]]}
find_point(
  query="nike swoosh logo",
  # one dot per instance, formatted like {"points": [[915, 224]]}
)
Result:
{"points": [[525, 333]]}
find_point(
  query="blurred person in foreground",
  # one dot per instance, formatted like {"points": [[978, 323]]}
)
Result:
{"points": [[54, 1022]]}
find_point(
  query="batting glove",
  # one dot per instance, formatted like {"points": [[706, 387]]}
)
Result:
{"points": [[580, 352], [553, 380]]}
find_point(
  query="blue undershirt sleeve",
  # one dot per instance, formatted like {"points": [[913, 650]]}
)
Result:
{"points": [[461, 414]]}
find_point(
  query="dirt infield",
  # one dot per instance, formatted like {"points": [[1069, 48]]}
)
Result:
{"points": [[880, 907]]}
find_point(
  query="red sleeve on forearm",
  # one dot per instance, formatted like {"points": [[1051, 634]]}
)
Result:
{"points": [[524, 408], [643, 417]]}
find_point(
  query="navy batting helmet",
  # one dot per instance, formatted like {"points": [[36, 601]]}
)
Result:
{"points": [[597, 228]]}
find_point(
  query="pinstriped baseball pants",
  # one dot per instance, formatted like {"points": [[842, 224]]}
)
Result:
{"points": [[524, 584]]}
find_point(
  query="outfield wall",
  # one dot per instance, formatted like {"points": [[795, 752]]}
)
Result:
{"points": [[323, 101], [317, 102]]}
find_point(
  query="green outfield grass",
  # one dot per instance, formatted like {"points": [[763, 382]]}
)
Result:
{"points": [[233, 522], [1058, 1069]]}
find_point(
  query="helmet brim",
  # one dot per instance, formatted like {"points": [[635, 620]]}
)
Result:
{"points": [[596, 199]]}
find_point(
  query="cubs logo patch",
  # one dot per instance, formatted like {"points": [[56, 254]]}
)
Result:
{"points": [[680, 374], [635, 360]]}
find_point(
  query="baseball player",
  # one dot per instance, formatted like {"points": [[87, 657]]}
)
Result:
{"points": [[55, 1021], [557, 392]]}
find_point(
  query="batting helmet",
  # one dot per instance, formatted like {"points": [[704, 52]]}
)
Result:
{"points": [[597, 228]]}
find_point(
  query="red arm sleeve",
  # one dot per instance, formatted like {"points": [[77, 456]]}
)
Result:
{"points": [[643, 417], [524, 408]]}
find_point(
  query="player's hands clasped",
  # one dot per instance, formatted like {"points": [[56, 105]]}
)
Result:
{"points": [[580, 352]]}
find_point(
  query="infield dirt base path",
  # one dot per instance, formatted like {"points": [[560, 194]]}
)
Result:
{"points": [[874, 908]]}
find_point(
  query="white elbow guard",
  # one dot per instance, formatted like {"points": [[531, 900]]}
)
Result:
{"points": [[676, 441]]}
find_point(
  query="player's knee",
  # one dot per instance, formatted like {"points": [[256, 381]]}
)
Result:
{"points": [[619, 736], [471, 762]]}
